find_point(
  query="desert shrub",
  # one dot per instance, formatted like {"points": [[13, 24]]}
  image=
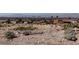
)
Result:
{"points": [[70, 35], [19, 21], [66, 26], [76, 25], [8, 21], [9, 35], [27, 32], [4, 25], [25, 28], [29, 21]]}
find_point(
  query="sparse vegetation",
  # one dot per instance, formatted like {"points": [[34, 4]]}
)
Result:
{"points": [[66, 26], [25, 28], [1, 25], [70, 34], [8, 21], [39, 30], [19, 21], [4, 25], [27, 32], [10, 35]]}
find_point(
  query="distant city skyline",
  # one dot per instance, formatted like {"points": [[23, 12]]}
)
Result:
{"points": [[39, 14]]}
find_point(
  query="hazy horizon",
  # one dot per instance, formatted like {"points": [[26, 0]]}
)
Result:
{"points": [[39, 14]]}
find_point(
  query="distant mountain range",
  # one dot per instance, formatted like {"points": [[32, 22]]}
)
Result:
{"points": [[39, 14]]}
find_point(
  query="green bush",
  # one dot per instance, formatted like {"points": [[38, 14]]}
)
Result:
{"points": [[70, 35], [76, 25], [66, 26], [25, 28], [9, 35]]}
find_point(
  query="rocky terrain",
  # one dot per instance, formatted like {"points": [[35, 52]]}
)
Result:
{"points": [[43, 35]]}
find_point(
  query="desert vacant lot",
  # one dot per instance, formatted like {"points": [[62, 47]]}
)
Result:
{"points": [[43, 35]]}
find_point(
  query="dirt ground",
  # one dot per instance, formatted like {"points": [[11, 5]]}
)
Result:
{"points": [[53, 35]]}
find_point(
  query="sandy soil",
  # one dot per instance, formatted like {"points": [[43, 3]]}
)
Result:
{"points": [[52, 36]]}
